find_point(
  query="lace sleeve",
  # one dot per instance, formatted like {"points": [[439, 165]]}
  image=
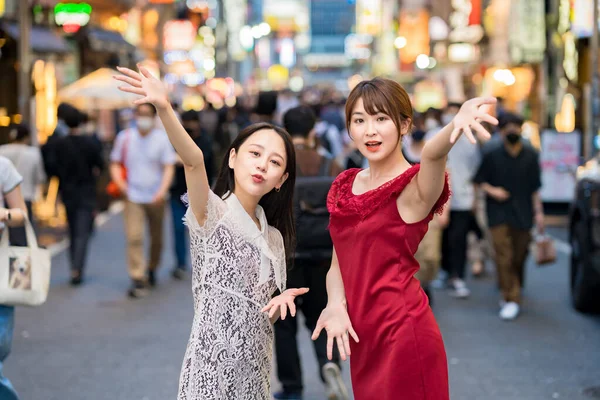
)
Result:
{"points": [[215, 210]]}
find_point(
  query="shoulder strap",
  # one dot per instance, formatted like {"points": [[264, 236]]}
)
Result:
{"points": [[325, 166]]}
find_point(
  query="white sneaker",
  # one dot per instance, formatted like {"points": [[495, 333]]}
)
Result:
{"points": [[335, 384], [510, 311], [459, 289]]}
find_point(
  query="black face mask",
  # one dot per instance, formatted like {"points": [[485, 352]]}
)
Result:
{"points": [[513, 138], [418, 135]]}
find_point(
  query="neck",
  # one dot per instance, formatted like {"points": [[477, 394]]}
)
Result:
{"points": [[513, 149], [390, 166], [143, 133], [248, 202]]}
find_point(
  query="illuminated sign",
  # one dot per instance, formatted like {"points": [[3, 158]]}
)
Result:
{"points": [[72, 16], [465, 21], [527, 31], [179, 35]]}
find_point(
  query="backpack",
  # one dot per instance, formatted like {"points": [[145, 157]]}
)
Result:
{"points": [[312, 217]]}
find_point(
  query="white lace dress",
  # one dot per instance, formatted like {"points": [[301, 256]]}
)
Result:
{"points": [[236, 269]]}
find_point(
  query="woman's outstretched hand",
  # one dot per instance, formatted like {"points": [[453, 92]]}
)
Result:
{"points": [[469, 117], [144, 84], [336, 322], [284, 301]]}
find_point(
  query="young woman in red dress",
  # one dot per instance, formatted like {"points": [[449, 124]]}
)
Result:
{"points": [[378, 217]]}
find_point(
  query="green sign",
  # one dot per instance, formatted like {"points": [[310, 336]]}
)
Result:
{"points": [[72, 14]]}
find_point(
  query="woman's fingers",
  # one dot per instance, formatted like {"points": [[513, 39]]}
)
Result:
{"points": [[487, 118], [341, 347], [479, 101], [317, 331], [346, 339], [481, 130], [131, 81], [353, 333], [144, 100], [283, 311], [130, 73], [134, 90], [329, 346], [301, 291], [292, 307], [267, 307], [454, 135], [144, 71], [469, 133]]}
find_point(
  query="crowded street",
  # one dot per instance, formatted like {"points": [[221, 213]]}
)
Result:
{"points": [[299, 199], [93, 343]]}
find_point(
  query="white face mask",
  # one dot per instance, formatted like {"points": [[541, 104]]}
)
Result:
{"points": [[447, 118], [430, 123], [145, 123]]}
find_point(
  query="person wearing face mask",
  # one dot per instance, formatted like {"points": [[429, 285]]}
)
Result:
{"points": [[510, 177], [150, 162], [191, 123]]}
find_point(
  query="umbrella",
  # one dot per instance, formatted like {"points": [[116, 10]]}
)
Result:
{"points": [[97, 90]]}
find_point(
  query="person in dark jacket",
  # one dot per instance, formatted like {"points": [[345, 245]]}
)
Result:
{"points": [[76, 159]]}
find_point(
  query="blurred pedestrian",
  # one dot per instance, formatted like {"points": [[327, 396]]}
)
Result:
{"points": [[27, 159], [429, 252], [239, 259], [150, 162], [191, 124], [77, 162], [463, 162], [315, 173], [13, 213], [510, 176], [378, 217]]}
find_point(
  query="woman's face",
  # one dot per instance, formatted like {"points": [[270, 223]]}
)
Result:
{"points": [[260, 163], [375, 136]]}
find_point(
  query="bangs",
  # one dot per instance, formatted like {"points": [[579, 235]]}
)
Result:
{"points": [[374, 100]]}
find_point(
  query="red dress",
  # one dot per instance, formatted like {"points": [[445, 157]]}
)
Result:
{"points": [[401, 353]]}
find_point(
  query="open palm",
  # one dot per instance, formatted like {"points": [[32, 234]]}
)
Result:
{"points": [[143, 83], [469, 117]]}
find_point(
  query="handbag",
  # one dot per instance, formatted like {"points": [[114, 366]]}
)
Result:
{"points": [[545, 252], [24, 271], [112, 189]]}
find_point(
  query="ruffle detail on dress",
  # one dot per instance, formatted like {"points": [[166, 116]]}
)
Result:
{"points": [[342, 202]]}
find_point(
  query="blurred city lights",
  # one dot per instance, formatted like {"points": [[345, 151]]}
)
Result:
{"points": [[505, 76], [422, 61], [400, 42]]}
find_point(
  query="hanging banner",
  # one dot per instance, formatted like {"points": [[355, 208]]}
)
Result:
{"points": [[527, 31]]}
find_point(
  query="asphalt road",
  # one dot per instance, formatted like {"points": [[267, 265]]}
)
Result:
{"points": [[93, 343]]}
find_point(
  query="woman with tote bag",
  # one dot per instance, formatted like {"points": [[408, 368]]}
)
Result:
{"points": [[12, 214]]}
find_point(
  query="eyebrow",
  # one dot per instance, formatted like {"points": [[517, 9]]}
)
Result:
{"points": [[263, 147]]}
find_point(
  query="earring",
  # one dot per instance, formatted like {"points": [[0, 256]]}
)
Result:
{"points": [[277, 189]]}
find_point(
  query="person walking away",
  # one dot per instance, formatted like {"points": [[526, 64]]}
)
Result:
{"points": [[191, 123], [78, 162], [463, 162], [314, 176], [377, 311], [429, 252], [150, 162], [27, 159], [12, 214], [510, 176], [239, 260]]}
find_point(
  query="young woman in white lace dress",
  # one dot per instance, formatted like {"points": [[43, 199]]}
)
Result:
{"points": [[239, 260]]}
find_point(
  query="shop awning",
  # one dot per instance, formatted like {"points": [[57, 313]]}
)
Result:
{"points": [[109, 41], [41, 39]]}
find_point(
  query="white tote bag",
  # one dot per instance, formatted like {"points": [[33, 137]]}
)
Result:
{"points": [[24, 271]]}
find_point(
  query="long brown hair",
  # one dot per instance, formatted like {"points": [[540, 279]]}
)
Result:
{"points": [[278, 206], [381, 95]]}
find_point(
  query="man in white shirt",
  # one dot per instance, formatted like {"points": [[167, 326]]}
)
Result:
{"points": [[149, 159]]}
